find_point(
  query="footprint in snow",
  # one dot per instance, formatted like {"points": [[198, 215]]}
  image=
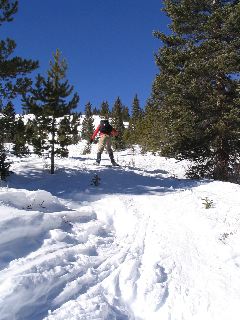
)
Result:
{"points": [[158, 295]]}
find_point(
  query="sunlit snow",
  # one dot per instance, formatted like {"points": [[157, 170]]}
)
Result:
{"points": [[140, 246]]}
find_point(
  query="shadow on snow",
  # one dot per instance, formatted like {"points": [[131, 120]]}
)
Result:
{"points": [[71, 183]]}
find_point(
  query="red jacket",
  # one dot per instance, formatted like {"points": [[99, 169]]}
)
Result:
{"points": [[113, 133]]}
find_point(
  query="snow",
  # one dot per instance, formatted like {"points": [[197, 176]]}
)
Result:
{"points": [[140, 246]]}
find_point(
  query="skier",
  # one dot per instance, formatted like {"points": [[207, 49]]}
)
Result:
{"points": [[106, 133]]}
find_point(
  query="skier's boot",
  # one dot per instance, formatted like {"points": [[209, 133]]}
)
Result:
{"points": [[98, 160], [114, 163]]}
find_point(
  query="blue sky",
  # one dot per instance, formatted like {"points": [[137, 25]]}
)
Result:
{"points": [[108, 44]]}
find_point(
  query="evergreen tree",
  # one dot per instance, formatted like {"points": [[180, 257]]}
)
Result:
{"points": [[20, 139], [137, 112], [74, 124], [95, 111], [125, 114], [8, 122], [117, 123], [48, 101], [104, 110], [4, 163], [13, 80], [37, 135], [134, 132], [87, 124], [64, 136], [196, 90], [151, 129]]}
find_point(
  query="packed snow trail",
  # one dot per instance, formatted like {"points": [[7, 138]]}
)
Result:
{"points": [[140, 246]]}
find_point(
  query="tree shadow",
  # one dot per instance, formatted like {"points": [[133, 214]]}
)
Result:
{"points": [[83, 158], [75, 183]]}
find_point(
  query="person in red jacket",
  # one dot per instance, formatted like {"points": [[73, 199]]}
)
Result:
{"points": [[106, 132]]}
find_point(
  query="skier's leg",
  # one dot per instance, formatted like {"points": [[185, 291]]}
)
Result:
{"points": [[98, 160], [101, 144], [110, 151]]}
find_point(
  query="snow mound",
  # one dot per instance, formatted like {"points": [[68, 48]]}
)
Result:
{"points": [[39, 200]]}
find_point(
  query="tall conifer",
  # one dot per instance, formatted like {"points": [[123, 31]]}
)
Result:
{"points": [[87, 124], [134, 133], [87, 127], [8, 122], [117, 122], [13, 73], [20, 147], [104, 110], [125, 114], [48, 101], [13, 79], [196, 88], [74, 124]]}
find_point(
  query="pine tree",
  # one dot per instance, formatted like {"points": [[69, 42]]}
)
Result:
{"points": [[117, 123], [95, 111], [48, 101], [20, 147], [64, 137], [87, 124], [37, 135], [104, 110], [125, 114], [196, 90], [13, 80], [74, 124], [151, 129], [4, 164], [133, 133], [87, 127], [13, 69], [8, 122]]}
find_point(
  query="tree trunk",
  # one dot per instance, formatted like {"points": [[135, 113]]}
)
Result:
{"points": [[221, 171], [53, 146]]}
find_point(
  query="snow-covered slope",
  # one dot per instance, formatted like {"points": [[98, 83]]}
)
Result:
{"points": [[141, 245]]}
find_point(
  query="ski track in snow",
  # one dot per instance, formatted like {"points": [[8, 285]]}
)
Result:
{"points": [[129, 249]]}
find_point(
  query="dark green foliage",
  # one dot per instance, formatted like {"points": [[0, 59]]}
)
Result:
{"points": [[74, 124], [13, 72], [67, 133], [87, 124], [125, 114], [117, 123], [8, 122], [48, 101], [7, 10], [4, 164], [37, 136], [104, 110], [95, 111], [20, 147], [196, 90], [64, 137], [13, 80], [137, 112], [133, 134], [150, 129]]}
